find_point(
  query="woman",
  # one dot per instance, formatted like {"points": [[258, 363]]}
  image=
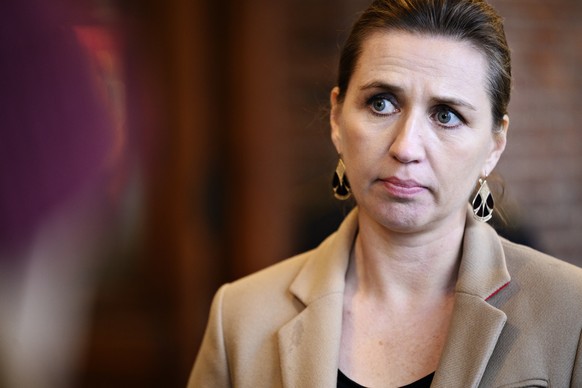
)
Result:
{"points": [[414, 287]]}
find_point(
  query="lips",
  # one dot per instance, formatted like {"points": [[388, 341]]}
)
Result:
{"points": [[402, 187]]}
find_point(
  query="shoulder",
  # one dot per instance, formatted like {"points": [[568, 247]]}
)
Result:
{"points": [[549, 280], [240, 338], [300, 279], [266, 284], [545, 267], [246, 314]]}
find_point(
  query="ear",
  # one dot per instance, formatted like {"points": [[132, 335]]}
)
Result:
{"points": [[335, 119], [499, 142]]}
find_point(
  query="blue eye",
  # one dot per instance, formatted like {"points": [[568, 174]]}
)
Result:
{"points": [[382, 105], [447, 118]]}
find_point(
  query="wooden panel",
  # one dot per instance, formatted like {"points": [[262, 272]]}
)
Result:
{"points": [[258, 185]]}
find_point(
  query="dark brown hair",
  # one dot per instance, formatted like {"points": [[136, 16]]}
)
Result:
{"points": [[467, 20]]}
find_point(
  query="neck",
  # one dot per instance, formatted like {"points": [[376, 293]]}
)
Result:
{"points": [[400, 267]]}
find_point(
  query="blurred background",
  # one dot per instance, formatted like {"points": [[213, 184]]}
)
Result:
{"points": [[153, 150]]}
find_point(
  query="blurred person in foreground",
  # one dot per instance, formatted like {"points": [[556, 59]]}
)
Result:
{"points": [[56, 142], [414, 288]]}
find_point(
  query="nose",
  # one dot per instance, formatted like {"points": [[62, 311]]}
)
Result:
{"points": [[408, 141]]}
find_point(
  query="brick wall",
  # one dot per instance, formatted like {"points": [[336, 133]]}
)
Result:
{"points": [[542, 165]]}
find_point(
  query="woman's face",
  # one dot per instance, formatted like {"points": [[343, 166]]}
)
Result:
{"points": [[415, 129]]}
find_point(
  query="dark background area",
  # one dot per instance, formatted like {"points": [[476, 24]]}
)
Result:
{"points": [[218, 161]]}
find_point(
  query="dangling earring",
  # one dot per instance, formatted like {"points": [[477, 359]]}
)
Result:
{"points": [[483, 202], [340, 184]]}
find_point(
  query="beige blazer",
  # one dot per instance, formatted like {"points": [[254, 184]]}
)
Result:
{"points": [[517, 320]]}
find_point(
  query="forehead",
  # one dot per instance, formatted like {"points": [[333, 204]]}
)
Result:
{"points": [[443, 63]]}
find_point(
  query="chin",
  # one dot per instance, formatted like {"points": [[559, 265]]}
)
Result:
{"points": [[406, 226], [402, 218]]}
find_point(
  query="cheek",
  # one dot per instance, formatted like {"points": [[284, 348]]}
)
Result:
{"points": [[362, 137], [465, 170], [363, 150]]}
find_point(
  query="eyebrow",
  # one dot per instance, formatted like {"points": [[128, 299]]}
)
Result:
{"points": [[383, 86], [444, 100]]}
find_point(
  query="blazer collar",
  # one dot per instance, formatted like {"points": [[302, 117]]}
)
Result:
{"points": [[324, 273], [476, 324], [483, 271], [309, 343]]}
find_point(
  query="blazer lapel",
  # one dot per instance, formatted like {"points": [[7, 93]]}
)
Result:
{"points": [[475, 329], [476, 325], [309, 343]]}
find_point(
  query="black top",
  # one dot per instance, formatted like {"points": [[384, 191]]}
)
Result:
{"points": [[344, 381]]}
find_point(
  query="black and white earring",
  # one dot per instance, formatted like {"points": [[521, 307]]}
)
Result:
{"points": [[340, 183], [483, 202]]}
